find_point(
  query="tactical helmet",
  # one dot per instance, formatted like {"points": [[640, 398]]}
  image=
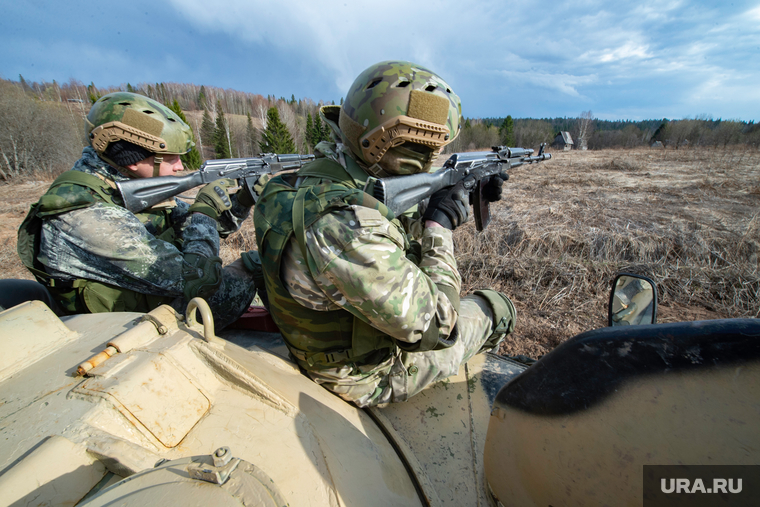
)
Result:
{"points": [[124, 116], [394, 102]]}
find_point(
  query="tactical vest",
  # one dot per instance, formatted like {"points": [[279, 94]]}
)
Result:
{"points": [[81, 295], [317, 339]]}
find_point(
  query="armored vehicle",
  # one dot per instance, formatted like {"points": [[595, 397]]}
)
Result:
{"points": [[158, 409]]}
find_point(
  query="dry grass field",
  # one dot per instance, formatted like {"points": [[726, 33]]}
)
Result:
{"points": [[689, 218]]}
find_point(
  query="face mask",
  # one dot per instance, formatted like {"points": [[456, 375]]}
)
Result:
{"points": [[402, 161]]}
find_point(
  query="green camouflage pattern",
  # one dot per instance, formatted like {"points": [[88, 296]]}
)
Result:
{"points": [[327, 330], [111, 107], [346, 299], [89, 239], [405, 374], [372, 106], [360, 260]]}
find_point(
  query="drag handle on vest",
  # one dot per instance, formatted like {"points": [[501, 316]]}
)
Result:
{"points": [[474, 169], [140, 194]]}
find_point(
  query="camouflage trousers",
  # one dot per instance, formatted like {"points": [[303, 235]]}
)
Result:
{"points": [[405, 374], [233, 298]]}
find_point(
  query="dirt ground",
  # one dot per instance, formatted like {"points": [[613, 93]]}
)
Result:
{"points": [[687, 218]]}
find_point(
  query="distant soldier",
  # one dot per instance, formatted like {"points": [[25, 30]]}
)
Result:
{"points": [[96, 256], [369, 314]]}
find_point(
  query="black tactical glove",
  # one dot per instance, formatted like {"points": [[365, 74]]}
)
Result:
{"points": [[450, 207], [202, 275], [492, 189], [245, 196], [214, 198]]}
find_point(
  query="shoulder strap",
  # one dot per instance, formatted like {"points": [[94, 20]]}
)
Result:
{"points": [[351, 175], [28, 243], [95, 183]]}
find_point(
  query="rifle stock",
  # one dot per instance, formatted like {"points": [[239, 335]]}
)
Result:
{"points": [[140, 194]]}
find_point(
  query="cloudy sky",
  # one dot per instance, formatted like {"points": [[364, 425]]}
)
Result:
{"points": [[528, 58]]}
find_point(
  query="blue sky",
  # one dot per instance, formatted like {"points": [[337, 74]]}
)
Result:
{"points": [[528, 58]]}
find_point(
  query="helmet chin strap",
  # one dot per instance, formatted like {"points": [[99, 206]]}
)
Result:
{"points": [[157, 160], [122, 170]]}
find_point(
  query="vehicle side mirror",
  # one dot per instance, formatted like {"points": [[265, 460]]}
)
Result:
{"points": [[633, 301]]}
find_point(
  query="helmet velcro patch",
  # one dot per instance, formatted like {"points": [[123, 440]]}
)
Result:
{"points": [[428, 107], [142, 121], [351, 129]]}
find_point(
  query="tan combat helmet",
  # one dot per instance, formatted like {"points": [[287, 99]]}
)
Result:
{"points": [[394, 102], [139, 120]]}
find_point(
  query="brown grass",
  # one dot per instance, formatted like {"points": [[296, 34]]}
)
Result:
{"points": [[689, 218]]}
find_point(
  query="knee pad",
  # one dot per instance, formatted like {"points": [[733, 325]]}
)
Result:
{"points": [[504, 313]]}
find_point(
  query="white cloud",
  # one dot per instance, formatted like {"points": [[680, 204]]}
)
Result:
{"points": [[343, 35], [753, 14], [628, 51], [563, 83], [687, 55]]}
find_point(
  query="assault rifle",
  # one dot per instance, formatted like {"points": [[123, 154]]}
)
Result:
{"points": [[399, 193], [143, 193]]}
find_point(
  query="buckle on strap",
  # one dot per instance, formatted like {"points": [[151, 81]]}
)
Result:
{"points": [[321, 357], [62, 285], [329, 357]]}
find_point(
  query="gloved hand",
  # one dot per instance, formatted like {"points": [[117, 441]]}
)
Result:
{"points": [[261, 183], [248, 196], [450, 207], [214, 198], [492, 188]]}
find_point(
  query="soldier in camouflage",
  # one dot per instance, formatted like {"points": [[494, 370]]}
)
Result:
{"points": [[96, 256], [370, 308]]}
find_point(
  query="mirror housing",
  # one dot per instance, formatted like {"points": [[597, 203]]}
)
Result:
{"points": [[633, 301]]}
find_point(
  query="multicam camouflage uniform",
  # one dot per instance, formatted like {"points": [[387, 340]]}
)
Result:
{"points": [[362, 315], [102, 257]]}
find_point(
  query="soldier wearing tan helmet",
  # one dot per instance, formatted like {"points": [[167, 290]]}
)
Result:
{"points": [[96, 256], [367, 311]]}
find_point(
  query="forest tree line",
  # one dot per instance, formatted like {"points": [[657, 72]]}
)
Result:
{"points": [[41, 126]]}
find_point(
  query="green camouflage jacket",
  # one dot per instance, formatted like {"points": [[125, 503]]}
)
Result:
{"points": [[135, 256], [350, 270]]}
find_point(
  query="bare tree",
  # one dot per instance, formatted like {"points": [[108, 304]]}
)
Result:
{"points": [[585, 129], [291, 120], [36, 138], [727, 132], [531, 133]]}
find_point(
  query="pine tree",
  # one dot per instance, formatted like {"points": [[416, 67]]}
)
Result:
{"points": [[130, 89], [24, 85], [207, 129], [325, 132], [321, 132], [310, 131], [92, 92], [192, 159], [251, 136], [276, 138], [222, 147], [507, 132], [202, 98]]}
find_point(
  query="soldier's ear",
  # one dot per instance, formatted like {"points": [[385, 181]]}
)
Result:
{"points": [[142, 169]]}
